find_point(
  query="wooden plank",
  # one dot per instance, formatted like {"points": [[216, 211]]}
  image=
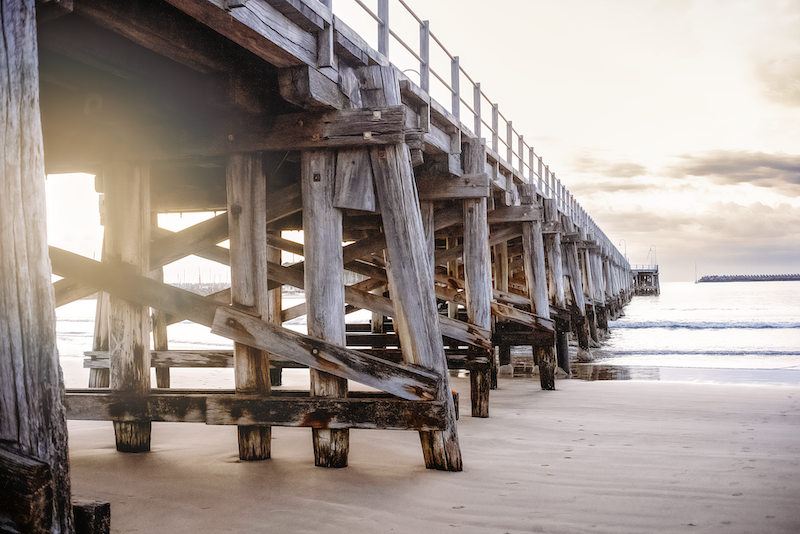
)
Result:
{"points": [[258, 27], [404, 380], [432, 188], [354, 181], [247, 220], [331, 129], [462, 331], [309, 16], [324, 289], [327, 413], [410, 271], [175, 246], [67, 291], [524, 213], [368, 412]]}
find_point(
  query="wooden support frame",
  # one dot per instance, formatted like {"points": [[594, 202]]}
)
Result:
{"points": [[536, 279], [247, 221], [324, 287], [410, 272], [478, 279], [127, 195], [289, 408], [404, 380]]}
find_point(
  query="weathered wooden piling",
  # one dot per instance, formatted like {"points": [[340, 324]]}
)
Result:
{"points": [[278, 114]]}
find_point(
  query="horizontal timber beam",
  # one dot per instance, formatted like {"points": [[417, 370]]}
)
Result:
{"points": [[223, 408]]}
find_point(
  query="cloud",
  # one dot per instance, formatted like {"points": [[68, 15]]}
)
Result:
{"points": [[780, 78], [731, 167], [616, 168]]}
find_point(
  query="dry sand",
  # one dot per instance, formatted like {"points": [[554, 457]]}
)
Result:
{"points": [[609, 457]]}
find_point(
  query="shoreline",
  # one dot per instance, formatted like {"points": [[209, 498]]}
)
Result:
{"points": [[610, 457]]}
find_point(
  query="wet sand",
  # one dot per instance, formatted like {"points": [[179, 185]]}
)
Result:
{"points": [[605, 456]]}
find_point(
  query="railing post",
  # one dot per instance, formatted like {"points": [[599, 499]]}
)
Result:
{"points": [[520, 149], [383, 27], [509, 144], [541, 178], [424, 53], [476, 105], [495, 128], [531, 159], [455, 77]]}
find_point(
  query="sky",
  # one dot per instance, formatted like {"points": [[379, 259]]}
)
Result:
{"points": [[675, 123]]}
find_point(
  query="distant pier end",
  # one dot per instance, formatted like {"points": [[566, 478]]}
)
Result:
{"points": [[645, 280]]}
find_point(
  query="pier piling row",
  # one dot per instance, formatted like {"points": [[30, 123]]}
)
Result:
{"points": [[277, 114]]}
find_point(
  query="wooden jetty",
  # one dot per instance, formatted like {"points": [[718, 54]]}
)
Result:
{"points": [[279, 115], [645, 280]]}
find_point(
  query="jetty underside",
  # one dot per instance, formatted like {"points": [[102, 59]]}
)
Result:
{"points": [[276, 115]]}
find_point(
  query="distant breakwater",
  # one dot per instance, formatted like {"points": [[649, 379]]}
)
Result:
{"points": [[751, 278]]}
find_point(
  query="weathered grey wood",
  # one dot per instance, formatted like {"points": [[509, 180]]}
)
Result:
{"points": [[159, 327], [100, 378], [331, 129], [127, 192], [67, 291], [258, 27], [331, 415], [536, 278], [324, 288], [247, 221], [175, 246], [432, 187], [308, 88], [32, 419], [274, 305], [501, 266], [554, 257], [404, 380], [293, 410], [354, 187], [477, 277], [410, 272], [523, 213]]}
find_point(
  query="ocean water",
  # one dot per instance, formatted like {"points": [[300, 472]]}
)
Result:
{"points": [[738, 332], [745, 332]]}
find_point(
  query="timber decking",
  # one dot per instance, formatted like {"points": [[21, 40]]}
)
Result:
{"points": [[280, 115]]}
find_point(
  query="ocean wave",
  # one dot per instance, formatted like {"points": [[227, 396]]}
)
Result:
{"points": [[703, 325]]}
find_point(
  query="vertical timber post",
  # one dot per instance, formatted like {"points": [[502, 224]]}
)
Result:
{"points": [[477, 278], [555, 273], [536, 279], [32, 416], [576, 283], [159, 323], [275, 304], [324, 287], [409, 269], [127, 199], [247, 226]]}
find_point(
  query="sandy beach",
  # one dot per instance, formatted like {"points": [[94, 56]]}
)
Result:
{"points": [[606, 456]]}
